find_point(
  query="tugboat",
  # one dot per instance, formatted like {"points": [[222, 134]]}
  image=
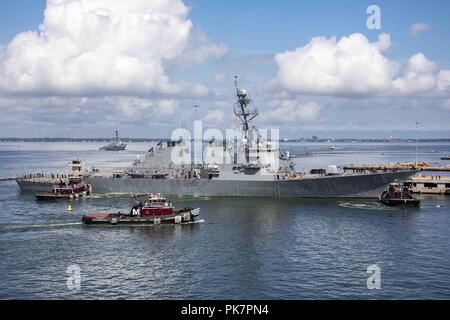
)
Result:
{"points": [[156, 210], [75, 188], [398, 195]]}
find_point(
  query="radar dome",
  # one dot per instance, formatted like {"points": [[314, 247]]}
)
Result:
{"points": [[242, 92]]}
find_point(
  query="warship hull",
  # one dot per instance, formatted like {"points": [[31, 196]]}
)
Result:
{"points": [[363, 185], [35, 186], [358, 185]]}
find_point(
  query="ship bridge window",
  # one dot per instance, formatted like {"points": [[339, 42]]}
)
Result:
{"points": [[447, 185], [430, 185]]}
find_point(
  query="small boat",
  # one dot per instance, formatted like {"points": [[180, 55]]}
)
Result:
{"points": [[445, 158], [398, 195], [156, 210], [74, 188]]}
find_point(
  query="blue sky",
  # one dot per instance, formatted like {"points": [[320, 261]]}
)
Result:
{"points": [[18, 16], [251, 34], [274, 26]]}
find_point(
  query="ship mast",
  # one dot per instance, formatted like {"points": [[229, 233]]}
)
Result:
{"points": [[244, 115]]}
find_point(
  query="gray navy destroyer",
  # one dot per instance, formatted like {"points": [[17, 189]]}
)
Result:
{"points": [[248, 166], [115, 145]]}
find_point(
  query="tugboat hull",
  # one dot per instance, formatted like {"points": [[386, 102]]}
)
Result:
{"points": [[54, 196], [182, 217], [401, 202]]}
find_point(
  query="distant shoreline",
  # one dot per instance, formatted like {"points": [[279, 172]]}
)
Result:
{"points": [[347, 140]]}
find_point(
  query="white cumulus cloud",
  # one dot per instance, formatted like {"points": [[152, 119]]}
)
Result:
{"points": [[284, 111], [418, 27], [444, 81], [418, 76], [349, 66], [102, 47], [354, 67]]}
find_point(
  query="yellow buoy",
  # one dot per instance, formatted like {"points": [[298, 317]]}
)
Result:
{"points": [[69, 207]]}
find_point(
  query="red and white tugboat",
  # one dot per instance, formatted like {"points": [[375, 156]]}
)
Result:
{"points": [[156, 210], [74, 188], [398, 195]]}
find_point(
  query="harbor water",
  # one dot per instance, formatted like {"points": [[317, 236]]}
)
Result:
{"points": [[243, 248]]}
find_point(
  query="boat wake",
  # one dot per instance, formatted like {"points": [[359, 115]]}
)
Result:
{"points": [[26, 227], [116, 195], [145, 225], [23, 226], [367, 205]]}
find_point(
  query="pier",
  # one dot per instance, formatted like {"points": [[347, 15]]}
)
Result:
{"points": [[421, 166], [429, 184]]}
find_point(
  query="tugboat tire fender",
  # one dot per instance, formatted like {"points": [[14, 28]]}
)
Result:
{"points": [[178, 219]]}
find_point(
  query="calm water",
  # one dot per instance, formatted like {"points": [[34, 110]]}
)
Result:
{"points": [[245, 248]]}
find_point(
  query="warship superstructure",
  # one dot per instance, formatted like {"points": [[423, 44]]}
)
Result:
{"points": [[115, 145], [248, 165]]}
